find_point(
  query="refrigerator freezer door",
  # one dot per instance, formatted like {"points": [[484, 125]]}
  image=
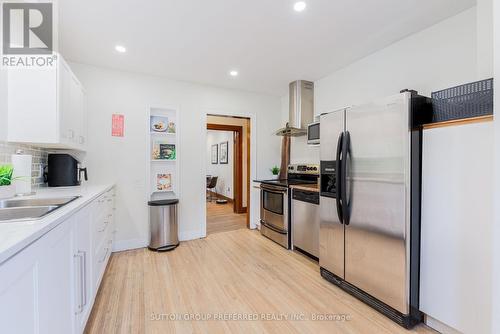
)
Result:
{"points": [[331, 240], [376, 239]]}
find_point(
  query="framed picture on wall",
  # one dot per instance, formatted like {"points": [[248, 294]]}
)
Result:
{"points": [[215, 154], [223, 157]]}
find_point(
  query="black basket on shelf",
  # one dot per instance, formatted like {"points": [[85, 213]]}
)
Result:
{"points": [[466, 101]]}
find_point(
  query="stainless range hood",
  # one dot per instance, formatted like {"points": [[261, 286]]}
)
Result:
{"points": [[301, 111]]}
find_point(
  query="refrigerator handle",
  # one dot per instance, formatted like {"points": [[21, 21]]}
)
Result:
{"points": [[338, 178], [344, 195]]}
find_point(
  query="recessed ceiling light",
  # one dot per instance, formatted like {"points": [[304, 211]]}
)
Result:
{"points": [[120, 48], [233, 73], [299, 6]]}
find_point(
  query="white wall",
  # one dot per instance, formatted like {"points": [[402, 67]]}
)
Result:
{"points": [[438, 57], [123, 160], [484, 14], [224, 172], [496, 225]]}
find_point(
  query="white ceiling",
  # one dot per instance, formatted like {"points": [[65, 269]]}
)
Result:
{"points": [[265, 40]]}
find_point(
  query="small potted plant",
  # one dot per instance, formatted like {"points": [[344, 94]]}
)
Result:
{"points": [[7, 190], [275, 171]]}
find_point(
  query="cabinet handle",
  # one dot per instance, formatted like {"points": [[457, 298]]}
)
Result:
{"points": [[79, 307], [81, 139], [71, 134], [84, 279]]}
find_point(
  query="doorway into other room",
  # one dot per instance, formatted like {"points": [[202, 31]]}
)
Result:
{"points": [[228, 173]]}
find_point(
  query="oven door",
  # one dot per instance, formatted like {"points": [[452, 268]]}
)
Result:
{"points": [[274, 207]]}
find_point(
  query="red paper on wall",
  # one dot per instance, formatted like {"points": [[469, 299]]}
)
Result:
{"points": [[117, 125]]}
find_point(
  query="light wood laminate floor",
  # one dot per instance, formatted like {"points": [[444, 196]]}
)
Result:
{"points": [[221, 218], [234, 274]]}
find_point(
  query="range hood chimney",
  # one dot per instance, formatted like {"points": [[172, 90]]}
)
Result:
{"points": [[301, 111]]}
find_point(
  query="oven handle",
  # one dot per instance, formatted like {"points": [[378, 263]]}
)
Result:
{"points": [[271, 227], [276, 190]]}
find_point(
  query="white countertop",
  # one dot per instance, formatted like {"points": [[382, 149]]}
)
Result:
{"points": [[17, 235]]}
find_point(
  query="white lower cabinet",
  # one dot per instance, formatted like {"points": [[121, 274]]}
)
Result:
{"points": [[103, 232], [82, 256], [50, 286], [36, 286]]}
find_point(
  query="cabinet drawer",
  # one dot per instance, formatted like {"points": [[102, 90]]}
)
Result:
{"points": [[100, 260], [103, 215]]}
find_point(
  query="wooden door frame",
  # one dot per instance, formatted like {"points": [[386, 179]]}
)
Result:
{"points": [[237, 164]]}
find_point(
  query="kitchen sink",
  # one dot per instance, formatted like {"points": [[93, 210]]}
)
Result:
{"points": [[27, 213], [28, 202], [12, 210]]}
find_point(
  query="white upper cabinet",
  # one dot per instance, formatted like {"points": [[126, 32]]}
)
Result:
{"points": [[46, 106]]}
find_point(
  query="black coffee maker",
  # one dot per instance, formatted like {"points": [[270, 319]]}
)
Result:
{"points": [[63, 171]]}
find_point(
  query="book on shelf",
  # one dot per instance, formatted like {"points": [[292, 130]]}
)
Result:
{"points": [[163, 182], [163, 151]]}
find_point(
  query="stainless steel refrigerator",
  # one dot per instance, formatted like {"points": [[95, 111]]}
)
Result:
{"points": [[370, 202]]}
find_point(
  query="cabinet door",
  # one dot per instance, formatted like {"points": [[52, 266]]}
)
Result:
{"points": [[55, 280], [74, 96], [82, 291], [35, 286], [32, 105], [82, 117], [19, 293], [72, 108], [65, 126]]}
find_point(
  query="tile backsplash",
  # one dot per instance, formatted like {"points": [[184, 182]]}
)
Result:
{"points": [[40, 156]]}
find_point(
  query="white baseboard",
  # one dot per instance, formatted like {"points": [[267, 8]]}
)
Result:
{"points": [[190, 235], [123, 245], [440, 326]]}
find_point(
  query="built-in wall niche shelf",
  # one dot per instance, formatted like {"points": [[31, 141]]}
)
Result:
{"points": [[163, 153]]}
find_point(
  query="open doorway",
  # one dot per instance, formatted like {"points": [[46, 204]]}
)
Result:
{"points": [[228, 173]]}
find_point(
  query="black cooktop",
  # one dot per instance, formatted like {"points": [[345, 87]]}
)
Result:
{"points": [[286, 182]]}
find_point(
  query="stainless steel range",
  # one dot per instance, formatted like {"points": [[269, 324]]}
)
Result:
{"points": [[275, 202]]}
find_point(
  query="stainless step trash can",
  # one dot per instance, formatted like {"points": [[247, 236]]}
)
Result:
{"points": [[163, 234]]}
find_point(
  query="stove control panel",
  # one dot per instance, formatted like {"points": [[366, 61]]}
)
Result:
{"points": [[303, 169]]}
